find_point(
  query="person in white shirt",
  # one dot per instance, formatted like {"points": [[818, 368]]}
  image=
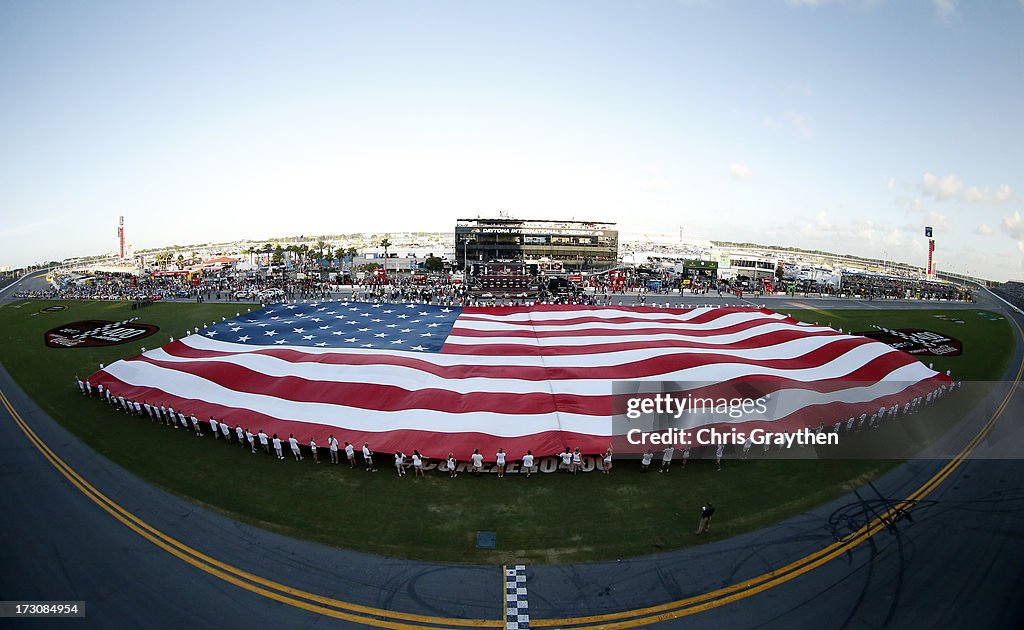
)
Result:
{"points": [[499, 460], [277, 447], [214, 428], [264, 441], [313, 451], [226, 430], [451, 466], [400, 463], [645, 463], [478, 462], [666, 459], [566, 459], [195, 425], [332, 445], [350, 455], [417, 464], [607, 461], [577, 461], [368, 458], [251, 439], [718, 456], [240, 434], [528, 463], [295, 446]]}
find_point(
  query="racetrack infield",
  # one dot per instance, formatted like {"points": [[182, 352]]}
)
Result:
{"points": [[549, 518]]}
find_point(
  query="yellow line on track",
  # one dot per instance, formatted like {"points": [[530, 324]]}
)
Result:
{"points": [[339, 609], [381, 618]]}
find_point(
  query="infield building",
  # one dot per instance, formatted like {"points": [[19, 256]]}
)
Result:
{"points": [[569, 246]]}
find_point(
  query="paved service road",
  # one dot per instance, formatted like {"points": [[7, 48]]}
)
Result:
{"points": [[78, 527]]}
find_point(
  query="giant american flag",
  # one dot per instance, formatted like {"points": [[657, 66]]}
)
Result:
{"points": [[542, 377]]}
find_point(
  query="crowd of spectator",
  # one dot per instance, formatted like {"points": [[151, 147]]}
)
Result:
{"points": [[1012, 292], [895, 288]]}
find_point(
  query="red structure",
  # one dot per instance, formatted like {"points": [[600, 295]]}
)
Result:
{"points": [[120, 235]]}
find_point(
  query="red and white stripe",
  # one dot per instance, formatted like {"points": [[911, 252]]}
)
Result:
{"points": [[538, 378]]}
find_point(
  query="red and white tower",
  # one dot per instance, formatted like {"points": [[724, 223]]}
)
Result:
{"points": [[931, 252], [120, 234]]}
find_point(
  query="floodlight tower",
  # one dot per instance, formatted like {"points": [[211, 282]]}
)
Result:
{"points": [[120, 234]]}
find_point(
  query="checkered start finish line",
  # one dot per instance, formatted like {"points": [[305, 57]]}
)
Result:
{"points": [[517, 609], [440, 379]]}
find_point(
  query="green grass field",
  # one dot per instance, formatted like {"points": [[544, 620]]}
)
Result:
{"points": [[548, 518]]}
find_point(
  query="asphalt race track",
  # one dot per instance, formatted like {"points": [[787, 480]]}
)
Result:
{"points": [[78, 527]]}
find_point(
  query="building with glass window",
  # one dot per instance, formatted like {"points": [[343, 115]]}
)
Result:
{"points": [[566, 246]]}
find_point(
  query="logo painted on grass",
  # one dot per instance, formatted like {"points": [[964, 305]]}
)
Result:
{"points": [[56, 308], [96, 332], [916, 341]]}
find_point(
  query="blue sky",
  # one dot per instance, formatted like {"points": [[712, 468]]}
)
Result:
{"points": [[845, 126]]}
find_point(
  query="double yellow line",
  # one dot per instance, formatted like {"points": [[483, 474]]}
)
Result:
{"points": [[366, 615], [381, 618]]}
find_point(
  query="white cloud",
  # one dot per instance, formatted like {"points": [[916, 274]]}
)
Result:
{"points": [[945, 9], [938, 221], [1014, 227], [890, 184], [943, 189], [807, 3], [984, 230], [950, 187], [984, 195], [773, 123], [739, 172]]}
